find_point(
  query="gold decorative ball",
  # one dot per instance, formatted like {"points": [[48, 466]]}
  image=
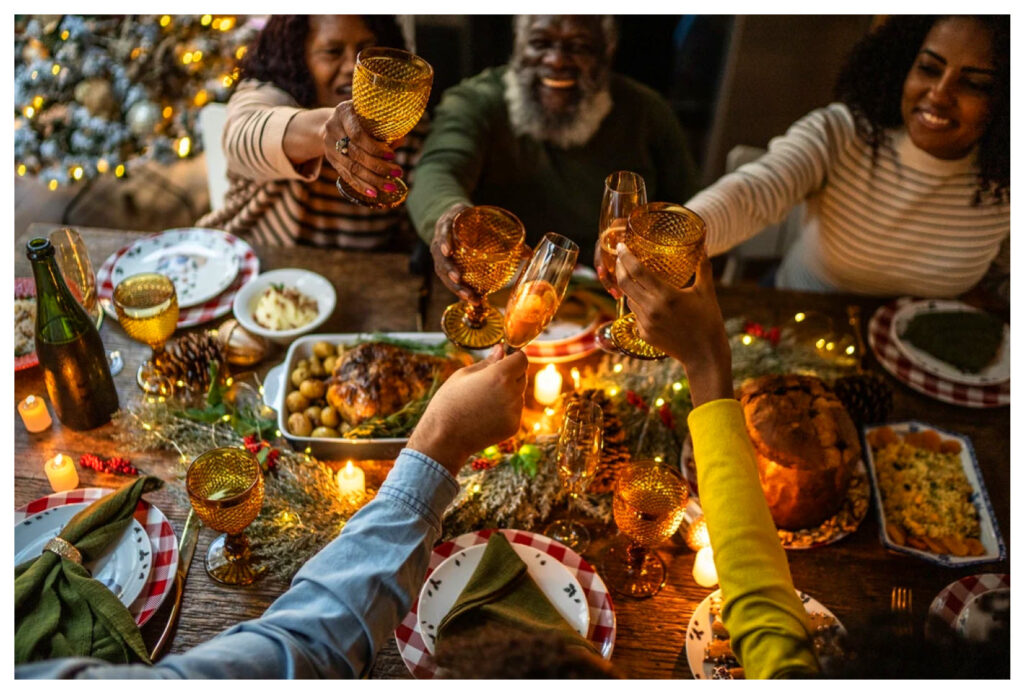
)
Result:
{"points": [[97, 95], [241, 348]]}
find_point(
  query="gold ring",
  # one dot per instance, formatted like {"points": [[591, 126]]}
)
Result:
{"points": [[63, 548], [342, 146]]}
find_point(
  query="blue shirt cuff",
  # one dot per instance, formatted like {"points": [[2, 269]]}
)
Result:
{"points": [[420, 483]]}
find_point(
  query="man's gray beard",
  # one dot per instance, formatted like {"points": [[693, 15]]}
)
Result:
{"points": [[529, 118]]}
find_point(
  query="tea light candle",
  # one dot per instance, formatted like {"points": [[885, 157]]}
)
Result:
{"points": [[352, 481], [34, 414], [547, 386], [704, 571], [60, 470]]}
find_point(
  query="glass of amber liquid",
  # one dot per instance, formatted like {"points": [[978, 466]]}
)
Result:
{"points": [[648, 504], [579, 453], [390, 88], [540, 290], [668, 240], [147, 308], [225, 487], [487, 246], [624, 191]]}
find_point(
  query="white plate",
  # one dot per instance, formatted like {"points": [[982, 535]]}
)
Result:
{"points": [[698, 633], [444, 585], [990, 536], [123, 569], [998, 371], [200, 262]]}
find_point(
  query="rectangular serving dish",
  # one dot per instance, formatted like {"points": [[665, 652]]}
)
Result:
{"points": [[275, 389], [990, 536]]}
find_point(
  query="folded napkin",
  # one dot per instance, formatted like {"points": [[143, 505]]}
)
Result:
{"points": [[501, 592], [60, 610]]}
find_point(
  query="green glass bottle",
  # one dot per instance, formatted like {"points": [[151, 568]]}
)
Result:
{"points": [[69, 347]]}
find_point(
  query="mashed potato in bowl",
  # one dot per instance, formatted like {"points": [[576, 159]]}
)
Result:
{"points": [[284, 308]]}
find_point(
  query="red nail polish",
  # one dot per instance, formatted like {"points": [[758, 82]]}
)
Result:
{"points": [[371, 192], [396, 173], [389, 187]]}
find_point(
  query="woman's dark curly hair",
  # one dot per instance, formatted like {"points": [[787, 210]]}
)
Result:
{"points": [[871, 84], [279, 53]]}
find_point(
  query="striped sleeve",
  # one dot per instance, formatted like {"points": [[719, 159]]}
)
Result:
{"points": [[253, 140], [762, 192]]}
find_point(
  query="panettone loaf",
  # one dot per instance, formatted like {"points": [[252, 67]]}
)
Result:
{"points": [[806, 446]]}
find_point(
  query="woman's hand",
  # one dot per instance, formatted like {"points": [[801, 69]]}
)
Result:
{"points": [[441, 248], [364, 162], [684, 323], [478, 406]]}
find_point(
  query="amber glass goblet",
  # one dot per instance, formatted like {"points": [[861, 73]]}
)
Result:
{"points": [[668, 240], [539, 290], [225, 486], [648, 504], [390, 88], [624, 191], [579, 452], [487, 247], [147, 308]]}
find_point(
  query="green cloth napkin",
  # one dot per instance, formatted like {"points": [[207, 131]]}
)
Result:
{"points": [[60, 610], [501, 591]]}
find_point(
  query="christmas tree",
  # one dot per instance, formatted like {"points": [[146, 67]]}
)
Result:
{"points": [[97, 95]]}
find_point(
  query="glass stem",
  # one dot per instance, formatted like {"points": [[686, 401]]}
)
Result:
{"points": [[620, 306], [475, 315], [635, 555], [237, 546]]}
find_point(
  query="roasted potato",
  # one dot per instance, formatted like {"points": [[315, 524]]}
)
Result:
{"points": [[325, 432], [316, 367], [323, 349], [329, 364], [329, 417], [296, 401], [312, 388], [300, 374], [313, 414], [299, 424]]}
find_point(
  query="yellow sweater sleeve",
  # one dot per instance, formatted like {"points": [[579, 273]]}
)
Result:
{"points": [[767, 623]]}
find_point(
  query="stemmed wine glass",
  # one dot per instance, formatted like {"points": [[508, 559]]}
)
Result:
{"points": [[225, 487], [487, 246], [668, 240], [648, 503], [579, 452], [539, 291], [147, 308], [624, 191], [390, 88]]}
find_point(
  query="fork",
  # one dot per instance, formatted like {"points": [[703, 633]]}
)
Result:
{"points": [[901, 606]]}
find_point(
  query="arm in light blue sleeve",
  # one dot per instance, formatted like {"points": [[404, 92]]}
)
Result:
{"points": [[342, 605]]}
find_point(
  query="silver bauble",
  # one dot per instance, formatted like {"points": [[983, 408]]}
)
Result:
{"points": [[143, 117]]}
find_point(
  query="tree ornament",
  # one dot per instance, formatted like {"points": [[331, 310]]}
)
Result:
{"points": [[143, 117], [97, 95], [186, 362], [34, 50], [240, 347], [866, 396]]}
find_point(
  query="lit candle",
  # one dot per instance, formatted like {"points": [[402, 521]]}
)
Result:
{"points": [[575, 374], [547, 386], [34, 414], [60, 470], [704, 571], [352, 481]]}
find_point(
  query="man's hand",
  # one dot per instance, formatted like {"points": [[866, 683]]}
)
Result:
{"points": [[364, 162], [478, 406], [442, 247], [684, 323]]}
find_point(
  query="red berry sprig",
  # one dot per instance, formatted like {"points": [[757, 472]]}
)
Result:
{"points": [[264, 452], [115, 465], [481, 463]]}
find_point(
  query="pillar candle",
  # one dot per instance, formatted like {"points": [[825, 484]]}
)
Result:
{"points": [[34, 414], [352, 481], [547, 386], [60, 470], [704, 571]]}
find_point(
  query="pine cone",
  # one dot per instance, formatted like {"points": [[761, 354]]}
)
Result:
{"points": [[866, 396], [186, 362], [615, 454]]}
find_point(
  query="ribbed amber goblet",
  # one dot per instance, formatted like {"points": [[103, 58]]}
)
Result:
{"points": [[225, 486]]}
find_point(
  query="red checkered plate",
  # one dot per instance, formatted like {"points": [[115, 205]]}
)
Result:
{"points": [[951, 601], [161, 537], [880, 337], [193, 315], [602, 615]]}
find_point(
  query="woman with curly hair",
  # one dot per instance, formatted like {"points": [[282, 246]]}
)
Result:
{"points": [[285, 121], [906, 179]]}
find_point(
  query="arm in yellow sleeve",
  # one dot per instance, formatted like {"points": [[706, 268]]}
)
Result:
{"points": [[767, 623]]}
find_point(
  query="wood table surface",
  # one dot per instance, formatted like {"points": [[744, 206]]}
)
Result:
{"points": [[376, 292]]}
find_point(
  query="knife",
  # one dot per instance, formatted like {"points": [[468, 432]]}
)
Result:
{"points": [[186, 548]]}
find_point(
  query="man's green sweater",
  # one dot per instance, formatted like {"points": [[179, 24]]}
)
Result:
{"points": [[473, 156]]}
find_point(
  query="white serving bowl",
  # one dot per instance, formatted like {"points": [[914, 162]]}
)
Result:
{"points": [[309, 283]]}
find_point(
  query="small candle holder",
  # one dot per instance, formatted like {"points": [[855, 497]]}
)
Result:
{"points": [[61, 472], [352, 482], [34, 414]]}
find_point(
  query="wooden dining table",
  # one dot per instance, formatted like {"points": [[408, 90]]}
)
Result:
{"points": [[377, 292]]}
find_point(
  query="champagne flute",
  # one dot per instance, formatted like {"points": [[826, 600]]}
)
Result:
{"points": [[390, 88], [540, 290], [487, 246], [579, 452], [668, 240], [147, 308], [648, 503], [225, 487], [624, 191]]}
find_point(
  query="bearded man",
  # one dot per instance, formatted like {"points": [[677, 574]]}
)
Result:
{"points": [[539, 136]]}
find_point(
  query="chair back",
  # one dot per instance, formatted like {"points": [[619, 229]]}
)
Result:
{"points": [[211, 127]]}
